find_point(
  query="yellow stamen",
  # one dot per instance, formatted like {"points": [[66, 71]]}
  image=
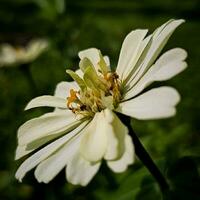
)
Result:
{"points": [[71, 98], [88, 101]]}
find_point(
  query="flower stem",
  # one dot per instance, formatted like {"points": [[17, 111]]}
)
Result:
{"points": [[144, 156]]}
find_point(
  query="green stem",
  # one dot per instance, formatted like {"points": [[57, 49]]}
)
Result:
{"points": [[144, 156]]}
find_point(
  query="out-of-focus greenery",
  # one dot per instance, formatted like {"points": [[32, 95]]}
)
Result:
{"points": [[71, 26]]}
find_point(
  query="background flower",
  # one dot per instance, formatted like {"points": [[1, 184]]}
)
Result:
{"points": [[10, 55]]}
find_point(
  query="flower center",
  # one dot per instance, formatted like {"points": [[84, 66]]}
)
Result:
{"points": [[99, 92]]}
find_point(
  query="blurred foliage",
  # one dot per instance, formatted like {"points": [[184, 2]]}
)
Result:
{"points": [[71, 26]]}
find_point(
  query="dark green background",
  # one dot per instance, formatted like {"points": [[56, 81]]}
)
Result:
{"points": [[173, 143]]}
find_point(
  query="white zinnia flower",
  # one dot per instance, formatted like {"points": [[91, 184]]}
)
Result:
{"points": [[10, 55], [84, 129]]}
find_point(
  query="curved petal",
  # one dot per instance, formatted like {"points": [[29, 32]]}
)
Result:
{"points": [[47, 100], [46, 127], [107, 60], [129, 50], [21, 151], [63, 89], [44, 153], [116, 136], [80, 171], [92, 54], [155, 47], [156, 103], [94, 142], [50, 167], [168, 65], [120, 165]]}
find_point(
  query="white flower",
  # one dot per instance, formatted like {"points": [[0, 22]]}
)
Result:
{"points": [[10, 55], [84, 128]]}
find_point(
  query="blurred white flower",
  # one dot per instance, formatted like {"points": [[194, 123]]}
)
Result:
{"points": [[10, 55], [84, 128]]}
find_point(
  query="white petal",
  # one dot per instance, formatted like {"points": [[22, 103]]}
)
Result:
{"points": [[63, 89], [127, 158], [168, 65], [21, 151], [94, 141], [116, 137], [160, 28], [141, 53], [80, 171], [47, 100], [129, 51], [47, 126], [44, 153], [92, 54], [154, 104], [107, 60], [155, 47], [50, 167]]}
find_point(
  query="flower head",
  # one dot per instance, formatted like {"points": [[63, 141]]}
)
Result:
{"points": [[84, 128], [10, 55]]}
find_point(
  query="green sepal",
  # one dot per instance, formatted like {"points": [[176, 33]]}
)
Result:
{"points": [[77, 78], [92, 80], [84, 63], [102, 64]]}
